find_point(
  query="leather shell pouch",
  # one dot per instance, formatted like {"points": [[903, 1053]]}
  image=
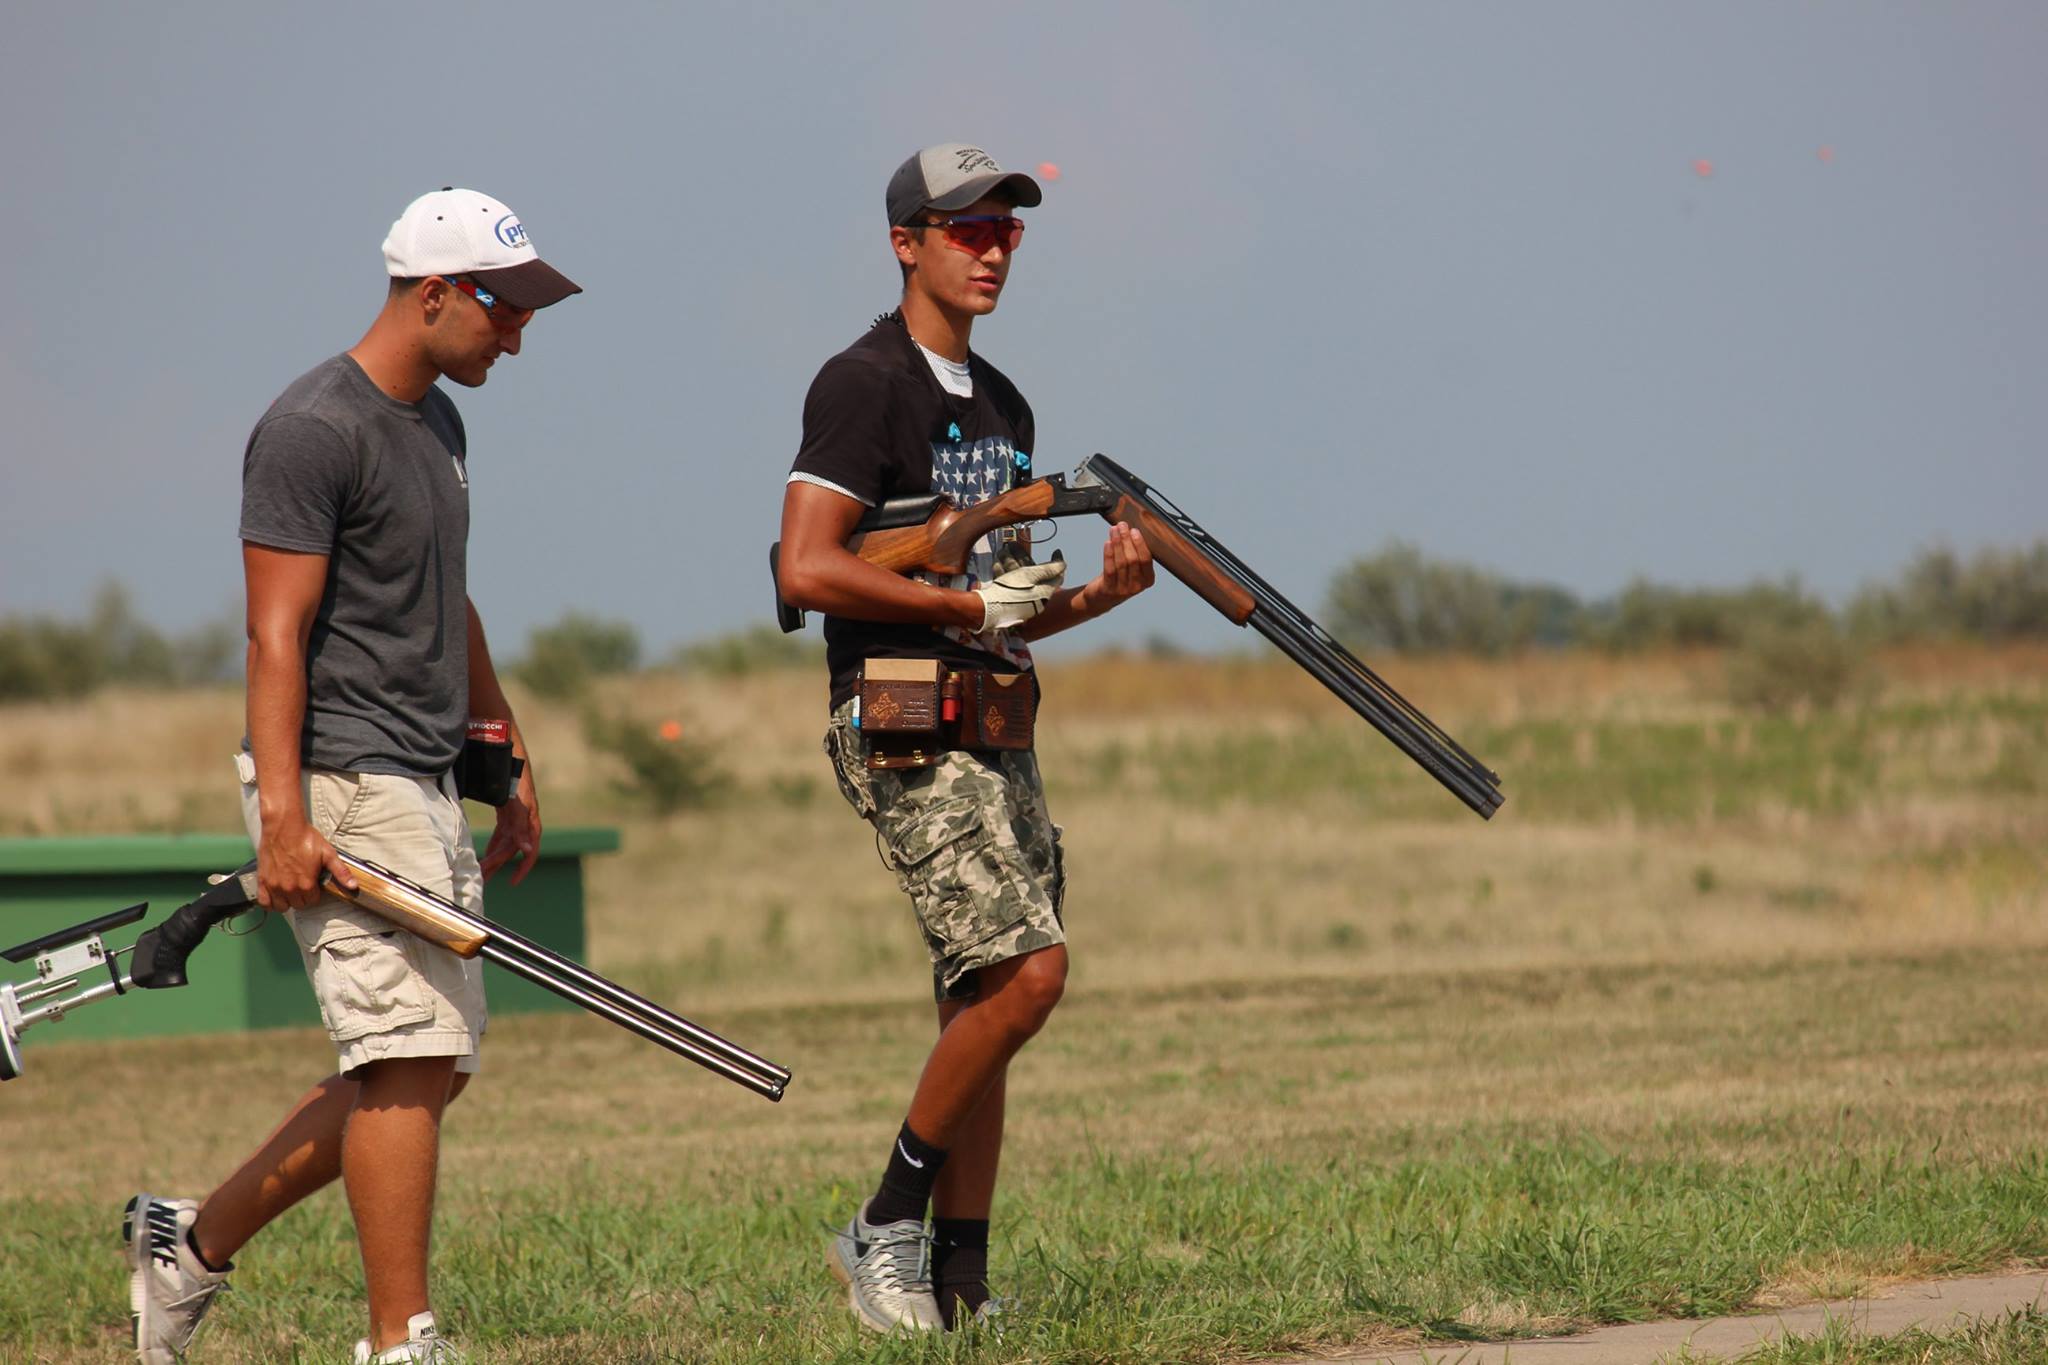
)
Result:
{"points": [[997, 710], [899, 712]]}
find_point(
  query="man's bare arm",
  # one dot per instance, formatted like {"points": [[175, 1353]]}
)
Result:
{"points": [[284, 591], [818, 573], [1126, 572]]}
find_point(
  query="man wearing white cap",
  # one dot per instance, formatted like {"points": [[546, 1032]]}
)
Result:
{"points": [[366, 662]]}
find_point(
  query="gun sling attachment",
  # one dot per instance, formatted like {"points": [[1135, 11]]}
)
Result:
{"points": [[907, 534], [160, 954]]}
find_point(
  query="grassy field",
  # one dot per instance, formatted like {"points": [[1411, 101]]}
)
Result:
{"points": [[1722, 1011], [2020, 1338]]}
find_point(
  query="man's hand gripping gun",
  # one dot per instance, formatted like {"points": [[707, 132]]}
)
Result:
{"points": [[929, 533], [159, 956]]}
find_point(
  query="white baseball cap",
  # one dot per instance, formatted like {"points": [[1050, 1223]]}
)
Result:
{"points": [[461, 232]]}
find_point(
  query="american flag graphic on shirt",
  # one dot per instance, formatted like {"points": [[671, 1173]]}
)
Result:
{"points": [[969, 472]]}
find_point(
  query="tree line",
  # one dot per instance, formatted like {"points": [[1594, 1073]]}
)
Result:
{"points": [[1400, 600], [43, 657], [1396, 600]]}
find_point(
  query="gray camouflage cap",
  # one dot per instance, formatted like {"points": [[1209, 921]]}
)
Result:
{"points": [[953, 175]]}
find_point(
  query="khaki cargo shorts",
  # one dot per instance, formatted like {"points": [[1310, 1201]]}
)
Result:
{"points": [[384, 992], [971, 844]]}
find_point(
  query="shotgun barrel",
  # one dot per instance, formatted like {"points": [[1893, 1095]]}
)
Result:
{"points": [[440, 920], [160, 955], [1291, 630]]}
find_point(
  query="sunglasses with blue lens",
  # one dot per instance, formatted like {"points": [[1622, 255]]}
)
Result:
{"points": [[475, 291]]}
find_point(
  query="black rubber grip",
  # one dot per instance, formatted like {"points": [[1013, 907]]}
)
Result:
{"points": [[158, 962]]}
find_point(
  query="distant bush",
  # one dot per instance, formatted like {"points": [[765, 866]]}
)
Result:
{"points": [[1403, 601], [42, 658], [1780, 666], [1158, 646], [1400, 600], [662, 768], [562, 658], [211, 653], [1648, 615], [757, 649], [1996, 595]]}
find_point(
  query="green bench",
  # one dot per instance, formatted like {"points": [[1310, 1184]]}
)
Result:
{"points": [[252, 980]]}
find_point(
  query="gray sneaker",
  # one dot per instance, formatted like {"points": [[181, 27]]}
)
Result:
{"points": [[423, 1345], [169, 1290], [887, 1270]]}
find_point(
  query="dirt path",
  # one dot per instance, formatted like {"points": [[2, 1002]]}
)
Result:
{"points": [[1932, 1306]]}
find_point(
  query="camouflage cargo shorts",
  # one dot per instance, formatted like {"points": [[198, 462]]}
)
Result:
{"points": [[971, 844]]}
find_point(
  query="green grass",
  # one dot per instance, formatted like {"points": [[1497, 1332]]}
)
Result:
{"points": [[1118, 1259], [1205, 1173], [1723, 1012], [2019, 1338], [1651, 769]]}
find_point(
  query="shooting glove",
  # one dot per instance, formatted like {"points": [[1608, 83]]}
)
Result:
{"points": [[1020, 591]]}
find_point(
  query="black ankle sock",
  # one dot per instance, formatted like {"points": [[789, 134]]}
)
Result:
{"points": [[959, 1266], [907, 1182], [200, 1256]]}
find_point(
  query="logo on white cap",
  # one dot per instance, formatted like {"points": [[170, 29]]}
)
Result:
{"points": [[461, 232], [455, 232]]}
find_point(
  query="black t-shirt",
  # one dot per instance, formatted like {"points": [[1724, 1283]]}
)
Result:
{"points": [[877, 425]]}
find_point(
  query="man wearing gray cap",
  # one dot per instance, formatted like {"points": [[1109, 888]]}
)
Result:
{"points": [[909, 409], [366, 662]]}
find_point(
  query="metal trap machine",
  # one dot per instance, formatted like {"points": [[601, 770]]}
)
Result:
{"points": [[73, 967]]}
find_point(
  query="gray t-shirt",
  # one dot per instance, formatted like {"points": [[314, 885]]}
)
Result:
{"points": [[340, 468]]}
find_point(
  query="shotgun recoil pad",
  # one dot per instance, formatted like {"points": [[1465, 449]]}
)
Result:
{"points": [[158, 962]]}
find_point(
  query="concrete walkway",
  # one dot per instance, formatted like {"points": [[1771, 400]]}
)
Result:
{"points": [[1932, 1306]]}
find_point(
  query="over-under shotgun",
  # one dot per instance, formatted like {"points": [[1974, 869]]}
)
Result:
{"points": [[929, 533]]}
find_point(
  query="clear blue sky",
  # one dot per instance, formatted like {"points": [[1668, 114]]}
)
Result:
{"points": [[1324, 273]]}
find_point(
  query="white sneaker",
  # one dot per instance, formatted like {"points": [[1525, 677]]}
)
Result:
{"points": [[887, 1270], [169, 1290], [423, 1345]]}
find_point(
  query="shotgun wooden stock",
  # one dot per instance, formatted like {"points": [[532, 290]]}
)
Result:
{"points": [[398, 902], [943, 543], [1172, 550]]}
